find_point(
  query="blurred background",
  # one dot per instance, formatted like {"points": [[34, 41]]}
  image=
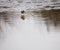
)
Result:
{"points": [[29, 24]]}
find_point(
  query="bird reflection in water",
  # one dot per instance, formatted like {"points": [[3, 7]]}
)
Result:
{"points": [[22, 16]]}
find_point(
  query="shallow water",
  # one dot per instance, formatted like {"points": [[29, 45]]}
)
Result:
{"points": [[35, 32], [28, 34]]}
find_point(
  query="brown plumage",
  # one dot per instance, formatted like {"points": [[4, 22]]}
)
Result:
{"points": [[22, 11]]}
